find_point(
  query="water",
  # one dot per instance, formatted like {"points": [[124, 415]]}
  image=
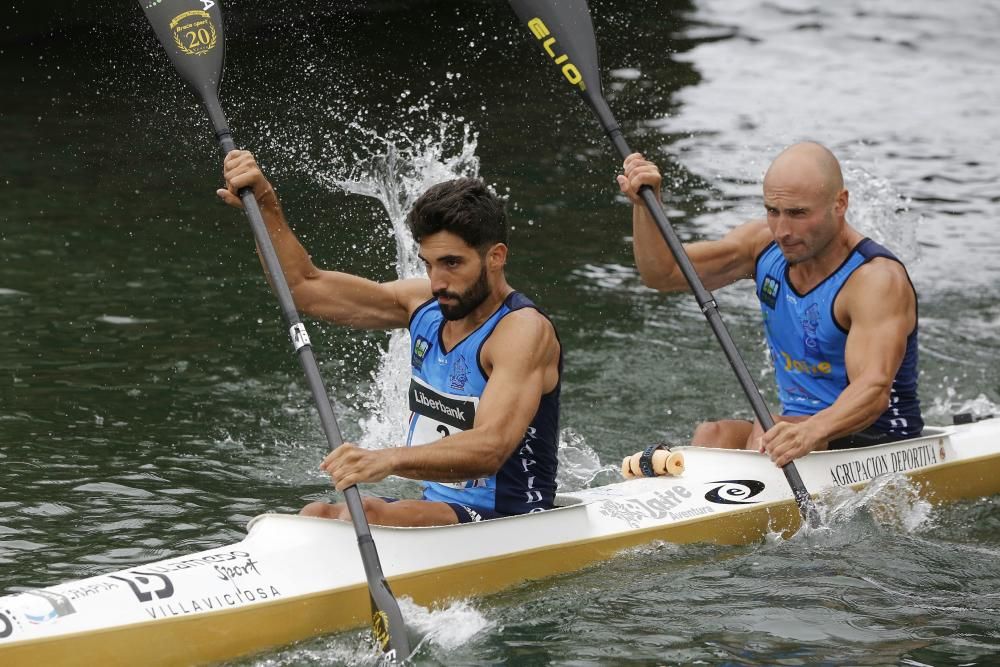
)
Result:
{"points": [[149, 404]]}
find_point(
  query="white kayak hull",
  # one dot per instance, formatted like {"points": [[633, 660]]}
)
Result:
{"points": [[296, 577]]}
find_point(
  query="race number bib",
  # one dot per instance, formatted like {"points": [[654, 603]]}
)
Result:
{"points": [[435, 415]]}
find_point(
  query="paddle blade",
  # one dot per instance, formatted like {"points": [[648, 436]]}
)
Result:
{"points": [[191, 32], [564, 31]]}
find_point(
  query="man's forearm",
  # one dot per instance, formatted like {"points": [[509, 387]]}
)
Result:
{"points": [[857, 408], [656, 264], [295, 261], [456, 458]]}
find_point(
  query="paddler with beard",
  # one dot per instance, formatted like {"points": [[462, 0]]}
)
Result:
{"points": [[486, 363]]}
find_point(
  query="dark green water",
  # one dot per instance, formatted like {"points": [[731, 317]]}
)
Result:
{"points": [[149, 404]]}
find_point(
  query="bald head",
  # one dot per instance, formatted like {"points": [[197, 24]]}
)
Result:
{"points": [[807, 204], [807, 167]]}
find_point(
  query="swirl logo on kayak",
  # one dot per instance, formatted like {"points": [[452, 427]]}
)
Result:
{"points": [[735, 492], [6, 626]]}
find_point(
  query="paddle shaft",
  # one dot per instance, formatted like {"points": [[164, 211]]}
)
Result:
{"points": [[191, 33], [565, 32], [705, 300], [382, 596]]}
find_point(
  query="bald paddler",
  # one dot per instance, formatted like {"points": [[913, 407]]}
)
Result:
{"points": [[840, 312], [485, 363]]}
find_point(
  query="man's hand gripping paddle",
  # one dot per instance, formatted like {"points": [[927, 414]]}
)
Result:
{"points": [[563, 29]]}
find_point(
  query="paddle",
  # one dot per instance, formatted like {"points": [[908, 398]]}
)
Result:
{"points": [[564, 31], [191, 33]]}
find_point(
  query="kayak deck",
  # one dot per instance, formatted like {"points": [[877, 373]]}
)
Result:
{"points": [[296, 577]]}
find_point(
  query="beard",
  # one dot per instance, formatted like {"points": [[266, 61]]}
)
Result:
{"points": [[467, 301]]}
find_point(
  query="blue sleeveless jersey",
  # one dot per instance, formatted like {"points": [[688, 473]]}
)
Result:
{"points": [[444, 392], [807, 343]]}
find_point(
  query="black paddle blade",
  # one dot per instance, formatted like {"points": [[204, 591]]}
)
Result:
{"points": [[191, 32], [564, 31]]}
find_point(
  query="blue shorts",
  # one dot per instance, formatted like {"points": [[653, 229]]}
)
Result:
{"points": [[866, 438], [465, 513]]}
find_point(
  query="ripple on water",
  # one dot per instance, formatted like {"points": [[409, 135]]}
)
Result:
{"points": [[448, 634], [935, 148], [113, 489], [122, 320]]}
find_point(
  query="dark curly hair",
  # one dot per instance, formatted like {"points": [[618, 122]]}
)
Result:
{"points": [[465, 207]]}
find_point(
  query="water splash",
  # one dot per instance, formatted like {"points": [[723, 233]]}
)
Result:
{"points": [[395, 169], [889, 502], [878, 210], [893, 501], [579, 465], [442, 632], [399, 171], [952, 403], [445, 629]]}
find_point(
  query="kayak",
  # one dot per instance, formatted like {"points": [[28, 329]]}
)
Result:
{"points": [[296, 577]]}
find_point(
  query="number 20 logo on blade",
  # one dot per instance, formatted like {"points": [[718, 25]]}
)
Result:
{"points": [[194, 33]]}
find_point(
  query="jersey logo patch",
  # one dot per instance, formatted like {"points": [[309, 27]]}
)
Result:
{"points": [[420, 347], [769, 291]]}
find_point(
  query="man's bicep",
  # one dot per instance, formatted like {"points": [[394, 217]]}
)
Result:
{"points": [[408, 295], [730, 258], [509, 403], [520, 357], [874, 352], [882, 318], [358, 302]]}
